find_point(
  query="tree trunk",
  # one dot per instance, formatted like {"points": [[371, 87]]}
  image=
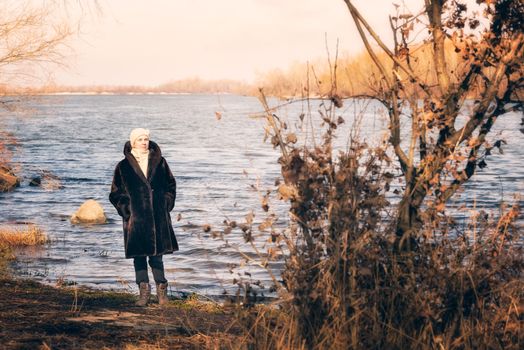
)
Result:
{"points": [[409, 221]]}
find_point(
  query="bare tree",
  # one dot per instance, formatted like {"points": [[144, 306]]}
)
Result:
{"points": [[32, 40], [442, 154]]}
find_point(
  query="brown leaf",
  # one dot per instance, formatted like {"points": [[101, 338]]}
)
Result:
{"points": [[291, 138], [265, 225], [265, 206], [365, 271], [287, 192], [337, 101], [274, 141], [249, 218]]}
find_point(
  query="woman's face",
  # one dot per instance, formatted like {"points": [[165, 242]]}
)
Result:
{"points": [[142, 143]]}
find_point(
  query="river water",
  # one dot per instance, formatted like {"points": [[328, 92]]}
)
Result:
{"points": [[214, 145]]}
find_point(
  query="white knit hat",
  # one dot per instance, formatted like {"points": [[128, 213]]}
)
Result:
{"points": [[136, 133]]}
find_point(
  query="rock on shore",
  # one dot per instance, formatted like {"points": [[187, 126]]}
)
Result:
{"points": [[46, 180], [8, 180], [91, 212]]}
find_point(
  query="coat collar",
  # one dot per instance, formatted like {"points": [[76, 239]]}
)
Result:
{"points": [[155, 157]]}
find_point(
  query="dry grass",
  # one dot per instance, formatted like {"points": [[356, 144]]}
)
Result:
{"points": [[192, 302], [30, 235], [444, 296]]}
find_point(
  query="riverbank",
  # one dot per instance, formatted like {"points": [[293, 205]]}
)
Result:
{"points": [[37, 316]]}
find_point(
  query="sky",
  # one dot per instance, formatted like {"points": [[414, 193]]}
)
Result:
{"points": [[139, 42]]}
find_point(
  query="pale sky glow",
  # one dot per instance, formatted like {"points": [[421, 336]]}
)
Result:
{"points": [[156, 41]]}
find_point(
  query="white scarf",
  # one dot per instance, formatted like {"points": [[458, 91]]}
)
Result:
{"points": [[142, 158]]}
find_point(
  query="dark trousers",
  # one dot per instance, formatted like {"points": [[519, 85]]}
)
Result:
{"points": [[157, 265]]}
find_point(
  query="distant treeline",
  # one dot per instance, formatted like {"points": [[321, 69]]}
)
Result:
{"points": [[354, 75], [349, 75], [191, 85]]}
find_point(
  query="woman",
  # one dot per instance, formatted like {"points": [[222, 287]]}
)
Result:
{"points": [[143, 192]]}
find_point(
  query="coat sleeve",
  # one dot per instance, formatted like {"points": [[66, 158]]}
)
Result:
{"points": [[118, 195], [171, 187]]}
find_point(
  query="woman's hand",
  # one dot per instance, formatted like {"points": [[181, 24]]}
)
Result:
{"points": [[170, 201]]}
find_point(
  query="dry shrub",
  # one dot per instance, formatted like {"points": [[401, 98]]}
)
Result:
{"points": [[20, 237], [346, 285]]}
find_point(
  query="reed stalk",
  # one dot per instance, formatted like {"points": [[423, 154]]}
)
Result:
{"points": [[30, 235]]}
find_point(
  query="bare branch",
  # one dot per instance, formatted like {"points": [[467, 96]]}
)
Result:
{"points": [[369, 49], [409, 72], [31, 36], [434, 11], [471, 165], [481, 111], [393, 106], [271, 121]]}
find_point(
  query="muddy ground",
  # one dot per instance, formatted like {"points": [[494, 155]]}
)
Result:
{"points": [[36, 316]]}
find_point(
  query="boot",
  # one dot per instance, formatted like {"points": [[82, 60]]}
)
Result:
{"points": [[161, 292], [145, 292]]}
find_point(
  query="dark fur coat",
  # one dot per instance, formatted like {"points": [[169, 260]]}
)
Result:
{"points": [[144, 203]]}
